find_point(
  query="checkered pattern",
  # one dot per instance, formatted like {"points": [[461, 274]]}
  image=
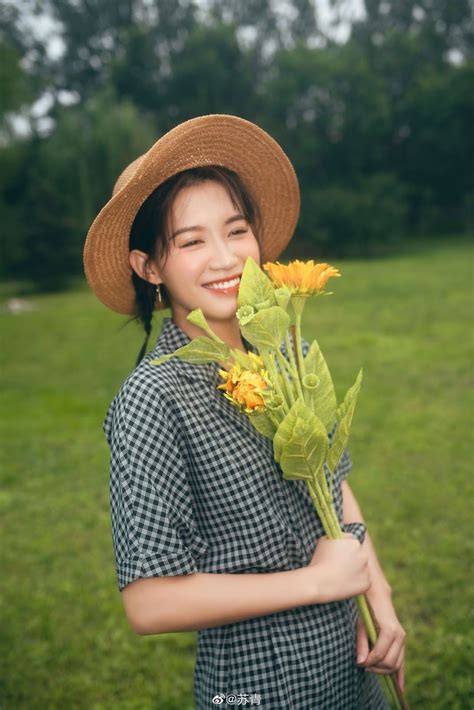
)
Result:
{"points": [[193, 487]]}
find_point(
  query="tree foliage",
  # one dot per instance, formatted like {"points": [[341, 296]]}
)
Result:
{"points": [[379, 128]]}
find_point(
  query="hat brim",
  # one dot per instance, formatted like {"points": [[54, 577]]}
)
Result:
{"points": [[216, 139]]}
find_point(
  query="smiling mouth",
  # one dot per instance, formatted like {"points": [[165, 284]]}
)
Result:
{"points": [[224, 285]]}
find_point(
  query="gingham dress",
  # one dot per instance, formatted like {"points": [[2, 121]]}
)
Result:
{"points": [[194, 488]]}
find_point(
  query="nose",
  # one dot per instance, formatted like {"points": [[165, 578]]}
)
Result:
{"points": [[223, 256]]}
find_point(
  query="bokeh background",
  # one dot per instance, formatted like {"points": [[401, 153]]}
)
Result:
{"points": [[373, 100]]}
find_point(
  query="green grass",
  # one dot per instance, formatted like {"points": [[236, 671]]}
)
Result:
{"points": [[64, 639]]}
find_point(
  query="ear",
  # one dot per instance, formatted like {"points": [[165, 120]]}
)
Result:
{"points": [[144, 266]]}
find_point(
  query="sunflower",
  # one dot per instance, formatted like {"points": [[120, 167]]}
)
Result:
{"points": [[303, 278], [243, 387]]}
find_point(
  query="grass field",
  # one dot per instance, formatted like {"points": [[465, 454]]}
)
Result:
{"points": [[64, 640]]}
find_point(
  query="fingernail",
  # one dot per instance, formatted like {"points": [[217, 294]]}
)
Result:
{"points": [[360, 658]]}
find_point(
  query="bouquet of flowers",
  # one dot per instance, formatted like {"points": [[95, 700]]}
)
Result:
{"points": [[290, 400]]}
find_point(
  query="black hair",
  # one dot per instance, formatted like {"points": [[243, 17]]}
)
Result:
{"points": [[150, 231]]}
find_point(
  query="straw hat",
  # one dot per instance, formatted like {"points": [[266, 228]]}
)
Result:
{"points": [[216, 139]]}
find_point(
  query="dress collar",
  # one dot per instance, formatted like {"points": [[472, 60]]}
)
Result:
{"points": [[173, 337]]}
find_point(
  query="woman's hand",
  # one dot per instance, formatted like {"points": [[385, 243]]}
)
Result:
{"points": [[388, 654], [341, 569]]}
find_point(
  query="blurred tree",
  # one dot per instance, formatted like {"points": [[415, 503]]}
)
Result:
{"points": [[269, 25], [372, 125], [136, 71], [365, 218], [329, 111], [16, 91], [30, 50], [98, 34], [211, 74], [70, 175], [14, 83], [422, 51], [14, 179], [436, 157], [439, 26]]}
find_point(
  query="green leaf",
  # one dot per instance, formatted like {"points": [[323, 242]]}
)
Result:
{"points": [[267, 328], [344, 414], [255, 287], [300, 443], [324, 404], [198, 318], [199, 351], [263, 424]]}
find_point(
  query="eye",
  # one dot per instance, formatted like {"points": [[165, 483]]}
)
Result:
{"points": [[190, 244], [239, 231]]}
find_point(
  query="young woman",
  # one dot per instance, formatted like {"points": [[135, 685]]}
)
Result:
{"points": [[207, 533]]}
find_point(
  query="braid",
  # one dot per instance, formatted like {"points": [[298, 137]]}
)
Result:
{"points": [[145, 304]]}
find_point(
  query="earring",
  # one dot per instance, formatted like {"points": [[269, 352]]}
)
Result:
{"points": [[158, 291]]}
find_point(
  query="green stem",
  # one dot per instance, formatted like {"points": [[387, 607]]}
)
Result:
{"points": [[326, 513], [288, 386], [390, 689], [364, 611], [289, 383], [294, 367], [322, 517], [270, 366], [298, 343], [326, 491], [333, 530]]}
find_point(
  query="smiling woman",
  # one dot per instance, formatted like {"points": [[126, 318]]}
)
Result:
{"points": [[207, 533], [205, 245], [191, 212]]}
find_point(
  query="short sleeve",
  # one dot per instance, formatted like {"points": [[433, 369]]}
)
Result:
{"points": [[153, 529]]}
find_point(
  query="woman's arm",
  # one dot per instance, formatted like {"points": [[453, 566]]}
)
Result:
{"points": [[388, 655], [155, 605]]}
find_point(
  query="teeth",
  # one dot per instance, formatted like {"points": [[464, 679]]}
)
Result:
{"points": [[224, 284]]}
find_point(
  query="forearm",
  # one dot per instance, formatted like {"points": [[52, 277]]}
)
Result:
{"points": [[352, 513], [203, 600]]}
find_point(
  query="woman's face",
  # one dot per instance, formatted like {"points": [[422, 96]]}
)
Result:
{"points": [[209, 243]]}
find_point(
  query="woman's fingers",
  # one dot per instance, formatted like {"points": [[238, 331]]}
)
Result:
{"points": [[401, 673], [388, 653], [381, 648], [362, 643]]}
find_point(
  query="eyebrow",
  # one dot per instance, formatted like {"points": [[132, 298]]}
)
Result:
{"points": [[197, 227]]}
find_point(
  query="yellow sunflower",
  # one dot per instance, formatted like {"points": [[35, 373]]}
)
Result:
{"points": [[304, 278], [243, 387]]}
